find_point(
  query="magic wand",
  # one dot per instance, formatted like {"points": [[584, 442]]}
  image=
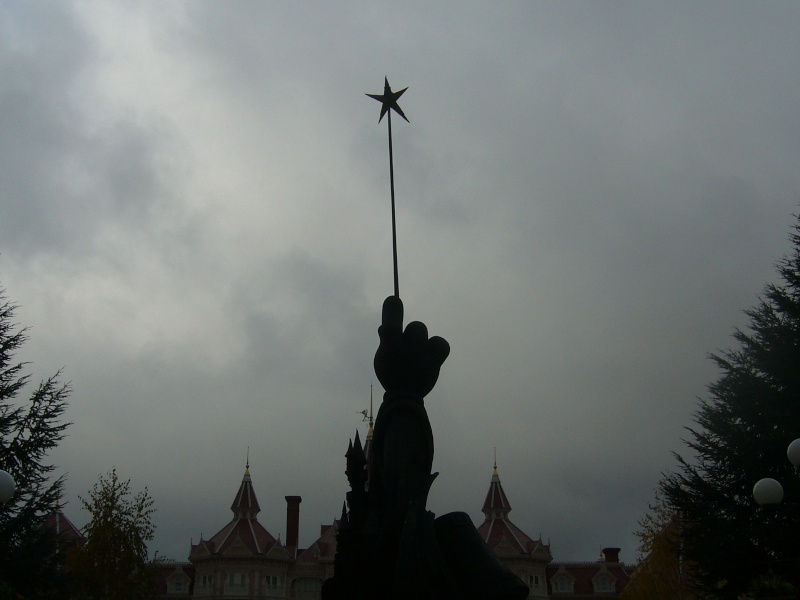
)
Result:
{"points": [[388, 102]]}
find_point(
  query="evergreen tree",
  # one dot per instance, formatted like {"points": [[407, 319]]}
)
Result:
{"points": [[741, 435], [113, 563], [29, 430]]}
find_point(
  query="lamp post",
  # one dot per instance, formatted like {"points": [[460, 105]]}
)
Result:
{"points": [[769, 491], [7, 487]]}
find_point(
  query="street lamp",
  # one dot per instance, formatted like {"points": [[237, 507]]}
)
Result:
{"points": [[7, 487], [768, 491]]}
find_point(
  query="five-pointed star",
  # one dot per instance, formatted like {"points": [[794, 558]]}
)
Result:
{"points": [[388, 100]]}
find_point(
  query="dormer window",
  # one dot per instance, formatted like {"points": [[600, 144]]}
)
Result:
{"points": [[562, 585], [603, 584]]}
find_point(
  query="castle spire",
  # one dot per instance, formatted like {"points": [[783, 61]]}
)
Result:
{"points": [[245, 504], [496, 505], [370, 431]]}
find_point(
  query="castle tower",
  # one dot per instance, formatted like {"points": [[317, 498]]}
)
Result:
{"points": [[525, 557], [242, 559]]}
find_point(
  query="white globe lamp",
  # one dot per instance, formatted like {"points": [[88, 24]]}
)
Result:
{"points": [[768, 491], [793, 452], [7, 487]]}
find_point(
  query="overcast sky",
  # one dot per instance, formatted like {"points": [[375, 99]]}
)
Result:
{"points": [[195, 224]]}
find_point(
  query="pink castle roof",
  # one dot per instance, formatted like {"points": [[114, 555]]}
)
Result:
{"points": [[499, 533], [248, 532], [243, 532], [63, 527], [324, 549]]}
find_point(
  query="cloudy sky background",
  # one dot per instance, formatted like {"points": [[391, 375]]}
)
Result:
{"points": [[194, 221]]}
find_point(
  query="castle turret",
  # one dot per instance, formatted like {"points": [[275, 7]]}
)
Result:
{"points": [[526, 557]]}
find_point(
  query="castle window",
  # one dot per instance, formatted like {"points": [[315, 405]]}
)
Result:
{"points": [[272, 582], [533, 581], [306, 588], [562, 585], [237, 580], [603, 584]]}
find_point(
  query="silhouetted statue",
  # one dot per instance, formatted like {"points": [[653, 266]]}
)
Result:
{"points": [[389, 546]]}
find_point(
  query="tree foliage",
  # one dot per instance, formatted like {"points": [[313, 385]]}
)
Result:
{"points": [[29, 430], [113, 563], [771, 587], [741, 435], [660, 572]]}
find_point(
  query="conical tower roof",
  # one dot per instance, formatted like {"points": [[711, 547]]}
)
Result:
{"points": [[245, 504], [496, 505]]}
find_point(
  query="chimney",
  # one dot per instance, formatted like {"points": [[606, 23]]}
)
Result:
{"points": [[611, 555], [292, 523]]}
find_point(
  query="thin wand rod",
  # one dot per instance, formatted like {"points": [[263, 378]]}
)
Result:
{"points": [[394, 222]]}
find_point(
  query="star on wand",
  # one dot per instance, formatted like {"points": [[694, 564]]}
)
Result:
{"points": [[388, 102]]}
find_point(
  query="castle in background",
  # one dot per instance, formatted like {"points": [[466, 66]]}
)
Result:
{"points": [[245, 561]]}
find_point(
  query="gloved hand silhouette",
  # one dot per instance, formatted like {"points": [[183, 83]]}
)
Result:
{"points": [[407, 362]]}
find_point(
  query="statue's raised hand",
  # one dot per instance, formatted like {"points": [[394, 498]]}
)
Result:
{"points": [[407, 362]]}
